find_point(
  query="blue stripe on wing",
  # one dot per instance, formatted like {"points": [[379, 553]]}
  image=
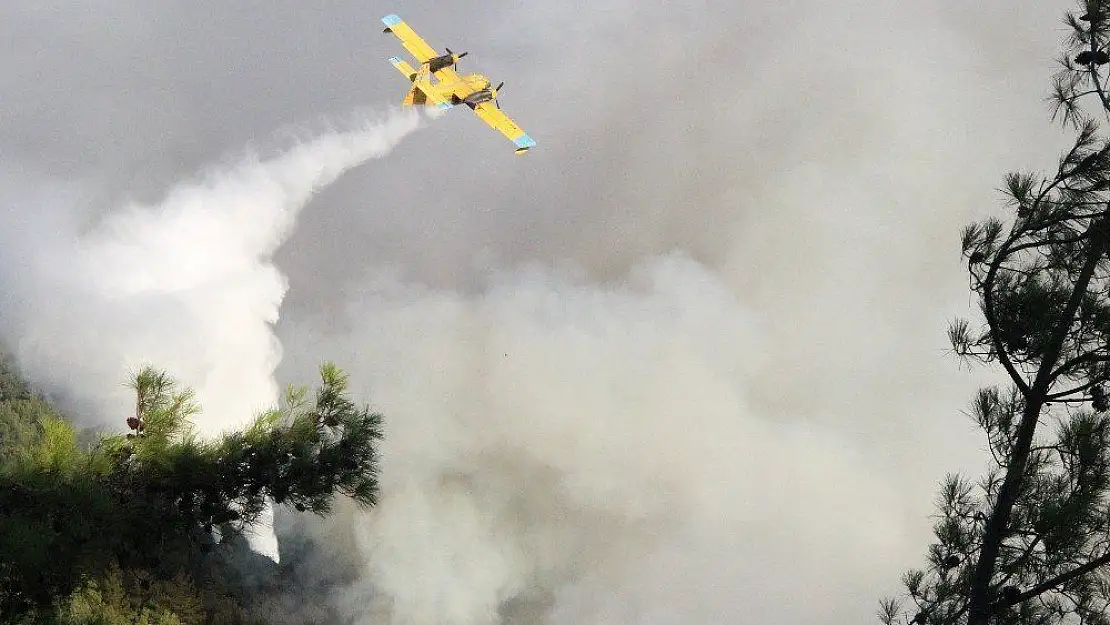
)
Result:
{"points": [[524, 141]]}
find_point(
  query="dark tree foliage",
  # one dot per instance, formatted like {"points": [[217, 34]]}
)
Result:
{"points": [[164, 502], [1029, 542]]}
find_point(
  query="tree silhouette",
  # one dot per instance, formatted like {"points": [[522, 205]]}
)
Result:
{"points": [[1029, 542]]}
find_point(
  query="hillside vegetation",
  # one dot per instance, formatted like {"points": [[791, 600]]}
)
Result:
{"points": [[146, 525]]}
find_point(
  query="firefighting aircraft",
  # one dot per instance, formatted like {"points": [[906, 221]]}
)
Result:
{"points": [[450, 89]]}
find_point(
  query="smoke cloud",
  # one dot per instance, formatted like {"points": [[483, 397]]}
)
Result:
{"points": [[683, 362], [186, 284], [549, 439]]}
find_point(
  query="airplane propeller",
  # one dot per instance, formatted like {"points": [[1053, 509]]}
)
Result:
{"points": [[497, 91], [461, 55]]}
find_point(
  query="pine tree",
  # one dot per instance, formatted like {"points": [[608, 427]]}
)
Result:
{"points": [[21, 412], [162, 502], [1030, 541]]}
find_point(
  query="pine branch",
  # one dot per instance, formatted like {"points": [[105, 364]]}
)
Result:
{"points": [[1059, 580], [979, 610]]}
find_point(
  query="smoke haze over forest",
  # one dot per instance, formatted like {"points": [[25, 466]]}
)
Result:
{"points": [[683, 362]]}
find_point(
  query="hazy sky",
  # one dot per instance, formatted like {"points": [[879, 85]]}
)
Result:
{"points": [[682, 362]]}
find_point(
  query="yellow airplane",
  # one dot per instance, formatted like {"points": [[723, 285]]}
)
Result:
{"points": [[450, 89]]}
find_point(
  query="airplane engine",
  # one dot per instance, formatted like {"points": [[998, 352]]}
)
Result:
{"points": [[478, 97], [437, 63], [445, 60]]}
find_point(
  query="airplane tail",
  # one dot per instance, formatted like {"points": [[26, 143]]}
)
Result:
{"points": [[415, 97]]}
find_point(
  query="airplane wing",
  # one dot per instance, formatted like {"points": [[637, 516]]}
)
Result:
{"points": [[493, 116], [417, 46], [412, 41]]}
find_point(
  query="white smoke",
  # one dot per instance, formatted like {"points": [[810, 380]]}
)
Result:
{"points": [[186, 284], [549, 440]]}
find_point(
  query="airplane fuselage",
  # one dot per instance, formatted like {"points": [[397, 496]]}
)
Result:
{"points": [[472, 89]]}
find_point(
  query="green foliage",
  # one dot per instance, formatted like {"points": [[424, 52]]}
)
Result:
{"points": [[150, 500], [21, 413], [137, 598]]}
